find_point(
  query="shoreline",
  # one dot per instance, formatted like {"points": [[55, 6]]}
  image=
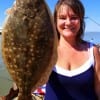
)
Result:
{"points": [[5, 82]]}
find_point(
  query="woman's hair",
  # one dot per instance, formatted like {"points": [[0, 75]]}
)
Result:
{"points": [[78, 9]]}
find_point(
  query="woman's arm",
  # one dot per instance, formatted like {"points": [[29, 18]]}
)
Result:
{"points": [[97, 70]]}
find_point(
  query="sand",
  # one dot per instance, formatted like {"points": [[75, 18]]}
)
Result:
{"points": [[5, 82]]}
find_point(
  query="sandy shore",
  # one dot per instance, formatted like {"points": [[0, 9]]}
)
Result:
{"points": [[5, 81]]}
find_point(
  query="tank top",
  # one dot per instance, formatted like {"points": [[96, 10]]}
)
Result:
{"points": [[77, 84]]}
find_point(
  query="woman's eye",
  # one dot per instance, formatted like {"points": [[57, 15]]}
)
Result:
{"points": [[74, 18]]}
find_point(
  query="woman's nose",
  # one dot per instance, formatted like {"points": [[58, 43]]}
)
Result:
{"points": [[67, 21]]}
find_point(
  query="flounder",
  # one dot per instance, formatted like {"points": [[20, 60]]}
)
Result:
{"points": [[29, 45]]}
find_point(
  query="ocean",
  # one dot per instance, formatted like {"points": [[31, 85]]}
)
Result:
{"points": [[92, 37], [5, 79]]}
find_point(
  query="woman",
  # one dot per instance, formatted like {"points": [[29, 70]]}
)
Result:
{"points": [[76, 75]]}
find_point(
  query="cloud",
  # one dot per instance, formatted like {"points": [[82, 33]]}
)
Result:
{"points": [[0, 28]]}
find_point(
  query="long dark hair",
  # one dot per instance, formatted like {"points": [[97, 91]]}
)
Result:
{"points": [[78, 8]]}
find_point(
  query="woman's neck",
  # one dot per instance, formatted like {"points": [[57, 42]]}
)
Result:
{"points": [[68, 43]]}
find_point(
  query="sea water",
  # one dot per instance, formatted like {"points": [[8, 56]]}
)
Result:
{"points": [[92, 37]]}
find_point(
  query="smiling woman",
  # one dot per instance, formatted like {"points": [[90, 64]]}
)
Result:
{"points": [[72, 77]]}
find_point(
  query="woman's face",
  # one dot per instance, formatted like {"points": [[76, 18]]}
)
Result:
{"points": [[68, 23]]}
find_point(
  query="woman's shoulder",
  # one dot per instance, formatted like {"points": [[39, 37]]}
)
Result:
{"points": [[96, 53], [97, 50]]}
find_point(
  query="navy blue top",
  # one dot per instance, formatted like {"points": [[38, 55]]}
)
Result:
{"points": [[72, 85], [79, 87]]}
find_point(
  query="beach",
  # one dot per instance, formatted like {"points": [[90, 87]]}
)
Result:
{"points": [[5, 79]]}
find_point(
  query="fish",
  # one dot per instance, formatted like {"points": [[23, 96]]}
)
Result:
{"points": [[29, 45]]}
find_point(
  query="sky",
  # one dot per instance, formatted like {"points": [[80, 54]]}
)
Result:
{"points": [[92, 9]]}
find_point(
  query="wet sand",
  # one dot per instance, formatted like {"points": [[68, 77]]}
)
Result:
{"points": [[5, 82]]}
